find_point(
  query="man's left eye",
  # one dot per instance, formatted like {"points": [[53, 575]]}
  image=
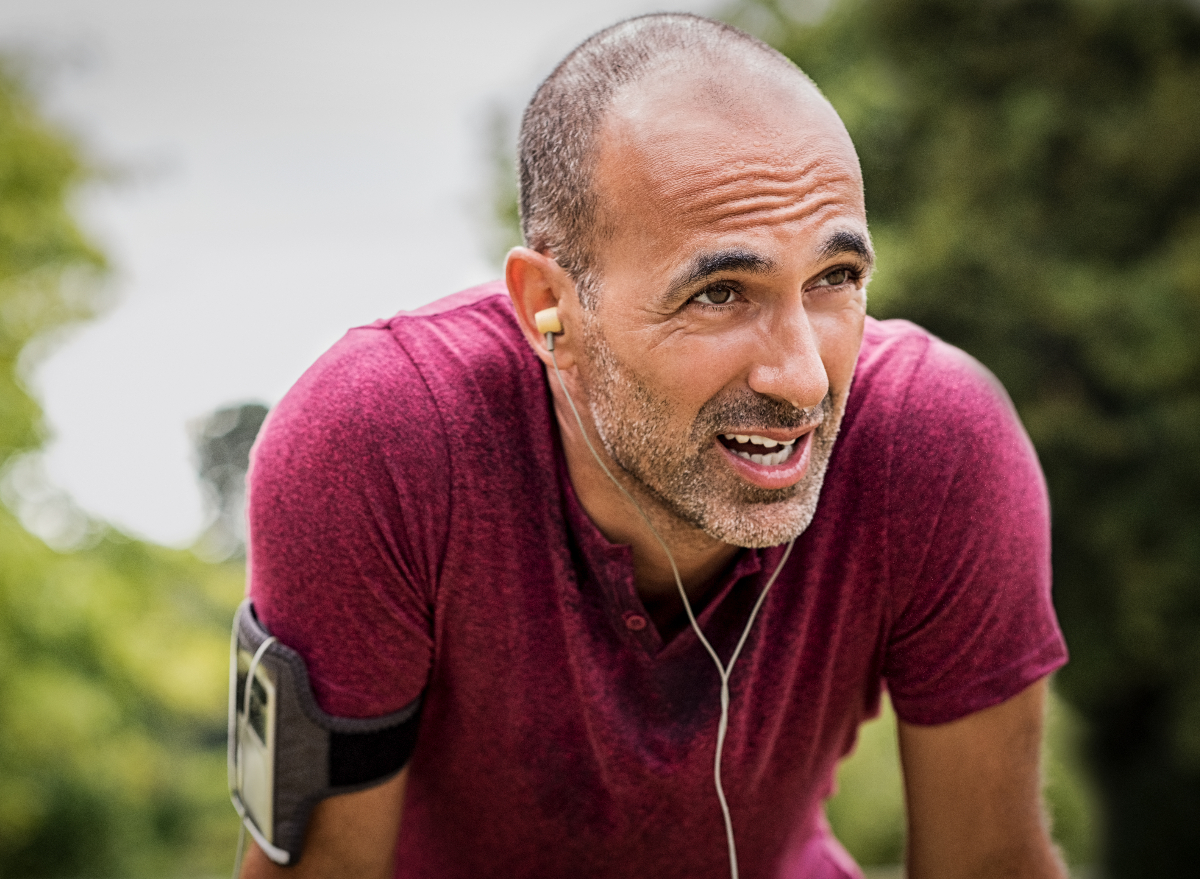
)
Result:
{"points": [[714, 296], [837, 277]]}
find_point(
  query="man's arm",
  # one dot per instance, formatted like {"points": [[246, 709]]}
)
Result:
{"points": [[973, 789], [351, 836]]}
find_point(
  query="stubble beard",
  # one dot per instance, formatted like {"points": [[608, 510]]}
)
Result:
{"points": [[686, 476]]}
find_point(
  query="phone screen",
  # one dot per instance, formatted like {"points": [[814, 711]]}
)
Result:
{"points": [[256, 744]]}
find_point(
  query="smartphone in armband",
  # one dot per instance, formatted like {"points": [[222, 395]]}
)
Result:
{"points": [[285, 754]]}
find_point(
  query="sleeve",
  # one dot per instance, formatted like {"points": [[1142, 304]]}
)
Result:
{"points": [[971, 619], [347, 497]]}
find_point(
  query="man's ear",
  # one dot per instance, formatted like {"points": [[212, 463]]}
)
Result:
{"points": [[537, 283]]}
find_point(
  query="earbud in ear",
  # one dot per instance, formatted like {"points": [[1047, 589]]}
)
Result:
{"points": [[547, 321], [548, 325]]}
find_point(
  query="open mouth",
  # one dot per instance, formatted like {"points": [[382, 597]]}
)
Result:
{"points": [[770, 462], [758, 449]]}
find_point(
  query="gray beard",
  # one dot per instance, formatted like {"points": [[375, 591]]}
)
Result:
{"points": [[684, 475]]}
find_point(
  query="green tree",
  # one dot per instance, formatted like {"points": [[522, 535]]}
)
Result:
{"points": [[45, 261], [113, 656], [1032, 171]]}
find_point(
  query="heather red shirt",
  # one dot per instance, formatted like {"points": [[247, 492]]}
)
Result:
{"points": [[413, 530]]}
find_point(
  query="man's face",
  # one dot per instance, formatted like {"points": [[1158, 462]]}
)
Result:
{"points": [[730, 308]]}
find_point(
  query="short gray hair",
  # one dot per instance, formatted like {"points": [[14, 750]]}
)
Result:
{"points": [[559, 210]]}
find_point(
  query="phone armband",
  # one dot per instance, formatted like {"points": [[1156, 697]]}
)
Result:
{"points": [[285, 753]]}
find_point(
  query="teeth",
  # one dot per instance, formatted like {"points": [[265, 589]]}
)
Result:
{"points": [[769, 460], [765, 442]]}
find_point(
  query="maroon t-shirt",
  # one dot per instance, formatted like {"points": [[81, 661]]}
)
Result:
{"points": [[413, 531]]}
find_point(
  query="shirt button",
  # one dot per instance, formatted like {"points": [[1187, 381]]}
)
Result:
{"points": [[635, 622]]}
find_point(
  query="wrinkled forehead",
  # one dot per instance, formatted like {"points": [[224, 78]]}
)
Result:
{"points": [[691, 122]]}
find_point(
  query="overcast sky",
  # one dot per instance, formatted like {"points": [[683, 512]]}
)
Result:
{"points": [[292, 169]]}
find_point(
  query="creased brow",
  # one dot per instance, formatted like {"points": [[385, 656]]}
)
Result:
{"points": [[706, 265]]}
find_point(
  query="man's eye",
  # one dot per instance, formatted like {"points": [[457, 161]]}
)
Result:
{"points": [[714, 296], [838, 277]]}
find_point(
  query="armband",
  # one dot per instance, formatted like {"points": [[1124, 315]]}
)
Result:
{"points": [[285, 753]]}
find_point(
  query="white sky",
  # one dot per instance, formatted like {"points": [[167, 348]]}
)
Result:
{"points": [[298, 168]]}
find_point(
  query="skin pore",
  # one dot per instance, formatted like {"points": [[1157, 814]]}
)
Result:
{"points": [[730, 302]]}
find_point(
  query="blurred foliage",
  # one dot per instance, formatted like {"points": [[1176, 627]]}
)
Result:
{"points": [[113, 670], [1071, 796], [222, 442], [867, 812], [47, 268], [113, 657], [1032, 171]]}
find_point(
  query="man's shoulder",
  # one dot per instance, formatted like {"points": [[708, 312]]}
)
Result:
{"points": [[415, 377], [937, 427], [922, 411], [376, 366], [479, 321], [906, 373]]}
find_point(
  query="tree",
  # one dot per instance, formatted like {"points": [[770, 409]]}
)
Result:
{"points": [[45, 261], [1032, 172], [112, 657], [222, 441]]}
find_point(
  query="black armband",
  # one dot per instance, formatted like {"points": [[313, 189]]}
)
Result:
{"points": [[285, 753]]}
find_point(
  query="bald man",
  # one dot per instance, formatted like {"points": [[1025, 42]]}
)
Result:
{"points": [[555, 509]]}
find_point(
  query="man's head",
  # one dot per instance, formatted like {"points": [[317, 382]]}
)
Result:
{"points": [[560, 211], [697, 209]]}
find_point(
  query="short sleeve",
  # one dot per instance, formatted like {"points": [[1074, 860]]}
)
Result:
{"points": [[347, 493], [971, 619]]}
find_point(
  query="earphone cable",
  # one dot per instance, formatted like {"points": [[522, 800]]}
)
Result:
{"points": [[723, 670]]}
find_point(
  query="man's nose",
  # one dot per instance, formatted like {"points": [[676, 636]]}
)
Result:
{"points": [[787, 364]]}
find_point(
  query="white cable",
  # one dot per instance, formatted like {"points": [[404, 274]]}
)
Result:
{"points": [[723, 670], [241, 850]]}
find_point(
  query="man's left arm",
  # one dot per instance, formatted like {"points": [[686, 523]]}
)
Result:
{"points": [[973, 792]]}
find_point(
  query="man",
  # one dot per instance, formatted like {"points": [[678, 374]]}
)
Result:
{"points": [[429, 522]]}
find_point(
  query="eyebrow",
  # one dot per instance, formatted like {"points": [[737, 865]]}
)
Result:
{"points": [[705, 265], [847, 242]]}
